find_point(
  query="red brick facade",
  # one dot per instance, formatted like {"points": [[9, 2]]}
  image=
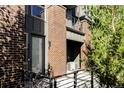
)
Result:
{"points": [[57, 39], [57, 53], [13, 43]]}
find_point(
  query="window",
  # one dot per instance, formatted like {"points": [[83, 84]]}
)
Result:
{"points": [[37, 54], [35, 28], [35, 10], [71, 19]]}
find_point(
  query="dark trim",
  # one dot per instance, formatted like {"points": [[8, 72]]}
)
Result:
{"points": [[29, 52], [43, 52], [88, 18], [70, 73], [38, 35], [75, 31], [31, 21], [75, 41], [70, 6], [28, 9]]}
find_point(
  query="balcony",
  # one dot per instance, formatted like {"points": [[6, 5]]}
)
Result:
{"points": [[73, 22], [73, 27]]}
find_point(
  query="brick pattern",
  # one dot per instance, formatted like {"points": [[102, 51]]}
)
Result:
{"points": [[13, 43], [12, 46], [57, 39]]}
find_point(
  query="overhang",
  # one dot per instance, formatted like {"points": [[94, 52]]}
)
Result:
{"points": [[74, 35]]}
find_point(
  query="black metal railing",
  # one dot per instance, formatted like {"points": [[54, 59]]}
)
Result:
{"points": [[76, 79], [73, 22], [37, 80]]}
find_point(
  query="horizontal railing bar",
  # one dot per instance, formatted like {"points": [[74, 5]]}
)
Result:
{"points": [[66, 79], [83, 77], [70, 86], [84, 81], [65, 84], [81, 84], [81, 73], [62, 80], [70, 73]]}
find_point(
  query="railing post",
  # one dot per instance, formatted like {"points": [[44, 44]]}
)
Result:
{"points": [[75, 79], [51, 83], [55, 83], [92, 83]]}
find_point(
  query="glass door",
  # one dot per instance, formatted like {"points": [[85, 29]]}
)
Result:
{"points": [[37, 54]]}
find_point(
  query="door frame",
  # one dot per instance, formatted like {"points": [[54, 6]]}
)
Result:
{"points": [[30, 52]]}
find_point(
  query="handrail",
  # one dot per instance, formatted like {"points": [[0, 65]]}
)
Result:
{"points": [[71, 21], [69, 73], [74, 80]]}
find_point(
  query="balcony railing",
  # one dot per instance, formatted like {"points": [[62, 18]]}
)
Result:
{"points": [[73, 23], [76, 79]]}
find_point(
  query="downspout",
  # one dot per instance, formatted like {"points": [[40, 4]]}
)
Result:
{"points": [[46, 37]]}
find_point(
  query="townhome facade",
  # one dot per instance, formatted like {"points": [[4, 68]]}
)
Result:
{"points": [[42, 38], [67, 34]]}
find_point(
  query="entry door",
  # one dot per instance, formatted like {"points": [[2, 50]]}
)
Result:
{"points": [[37, 54]]}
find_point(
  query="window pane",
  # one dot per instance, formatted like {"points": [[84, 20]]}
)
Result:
{"points": [[36, 54], [37, 11], [69, 18]]}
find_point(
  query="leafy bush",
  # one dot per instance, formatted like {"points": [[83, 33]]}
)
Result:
{"points": [[108, 42]]}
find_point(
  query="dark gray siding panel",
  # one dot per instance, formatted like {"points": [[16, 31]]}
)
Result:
{"points": [[29, 23], [34, 25]]}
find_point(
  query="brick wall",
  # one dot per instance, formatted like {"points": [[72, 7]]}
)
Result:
{"points": [[57, 39], [12, 46]]}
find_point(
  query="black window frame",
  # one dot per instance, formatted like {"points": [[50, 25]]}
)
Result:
{"points": [[28, 11], [32, 33], [43, 52]]}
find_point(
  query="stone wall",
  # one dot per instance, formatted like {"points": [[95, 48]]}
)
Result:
{"points": [[12, 46]]}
